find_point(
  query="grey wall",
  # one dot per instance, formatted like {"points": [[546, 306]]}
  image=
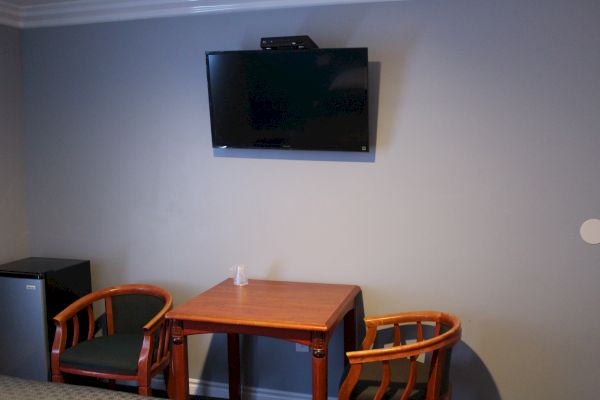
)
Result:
{"points": [[486, 164], [13, 223]]}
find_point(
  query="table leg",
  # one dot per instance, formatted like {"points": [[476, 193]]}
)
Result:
{"points": [[233, 355], [179, 385], [349, 333], [319, 366]]}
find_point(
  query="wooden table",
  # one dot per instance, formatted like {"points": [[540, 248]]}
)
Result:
{"points": [[305, 313]]}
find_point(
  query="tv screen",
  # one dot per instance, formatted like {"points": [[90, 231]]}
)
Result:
{"points": [[310, 99]]}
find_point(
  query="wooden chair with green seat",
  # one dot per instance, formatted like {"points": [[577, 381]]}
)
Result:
{"points": [[134, 345], [407, 369]]}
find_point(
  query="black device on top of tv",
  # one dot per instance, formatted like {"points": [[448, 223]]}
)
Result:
{"points": [[304, 99], [287, 42]]}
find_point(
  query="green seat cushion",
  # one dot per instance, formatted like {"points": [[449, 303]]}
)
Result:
{"points": [[116, 354]]}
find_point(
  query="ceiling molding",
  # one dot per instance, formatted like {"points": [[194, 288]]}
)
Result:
{"points": [[74, 12], [10, 15]]}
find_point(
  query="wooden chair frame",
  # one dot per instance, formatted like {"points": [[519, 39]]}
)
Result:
{"points": [[437, 345], [150, 361]]}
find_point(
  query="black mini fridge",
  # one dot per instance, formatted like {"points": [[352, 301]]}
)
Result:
{"points": [[32, 291]]}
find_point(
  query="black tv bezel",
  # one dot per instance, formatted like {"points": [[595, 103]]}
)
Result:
{"points": [[364, 148]]}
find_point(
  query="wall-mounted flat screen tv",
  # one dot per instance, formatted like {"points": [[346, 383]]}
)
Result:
{"points": [[309, 99]]}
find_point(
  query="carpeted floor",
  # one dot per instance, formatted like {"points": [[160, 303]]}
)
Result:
{"points": [[163, 395], [12, 388]]}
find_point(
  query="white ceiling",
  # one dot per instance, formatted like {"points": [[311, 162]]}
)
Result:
{"points": [[38, 13]]}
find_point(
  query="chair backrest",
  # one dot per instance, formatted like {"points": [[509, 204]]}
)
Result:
{"points": [[132, 311], [434, 333], [128, 308]]}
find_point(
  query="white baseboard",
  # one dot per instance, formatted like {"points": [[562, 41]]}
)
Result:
{"points": [[221, 390]]}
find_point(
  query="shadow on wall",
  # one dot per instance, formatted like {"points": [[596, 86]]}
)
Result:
{"points": [[471, 380], [306, 155]]}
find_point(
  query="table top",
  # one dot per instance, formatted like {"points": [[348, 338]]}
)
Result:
{"points": [[271, 304]]}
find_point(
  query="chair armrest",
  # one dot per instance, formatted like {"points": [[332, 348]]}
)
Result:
{"points": [[71, 313], [83, 302], [60, 337], [159, 317], [72, 310], [408, 350], [154, 355], [400, 318], [447, 338]]}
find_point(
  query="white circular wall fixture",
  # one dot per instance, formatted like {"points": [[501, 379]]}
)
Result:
{"points": [[590, 231]]}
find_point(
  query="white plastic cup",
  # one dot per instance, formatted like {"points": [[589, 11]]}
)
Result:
{"points": [[239, 275]]}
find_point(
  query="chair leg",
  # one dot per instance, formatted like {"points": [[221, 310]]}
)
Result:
{"points": [[58, 378], [145, 391], [145, 385]]}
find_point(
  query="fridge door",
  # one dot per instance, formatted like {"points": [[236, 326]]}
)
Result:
{"points": [[23, 341]]}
